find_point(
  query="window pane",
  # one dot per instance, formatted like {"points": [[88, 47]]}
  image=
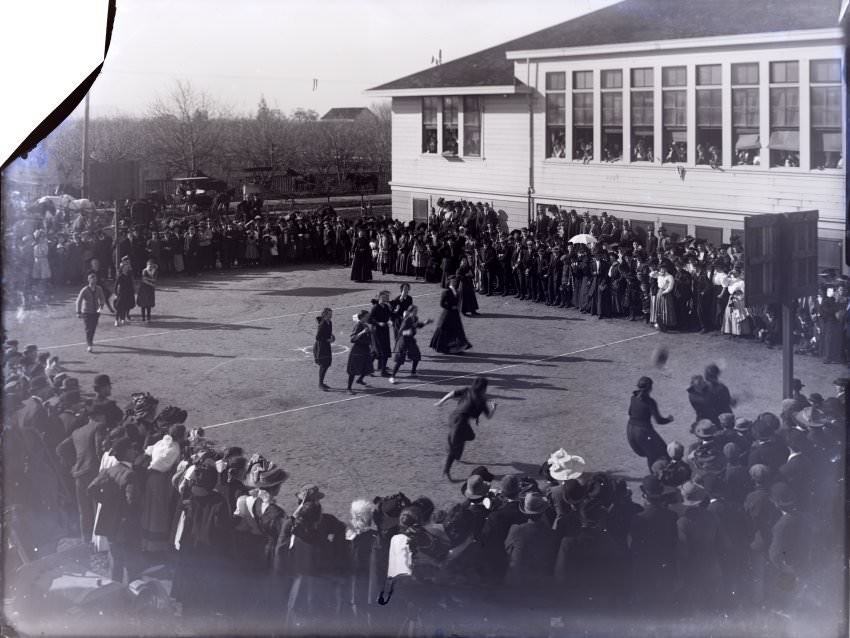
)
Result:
{"points": [[583, 109], [642, 77], [583, 80], [556, 81], [612, 79], [451, 105], [643, 111], [674, 108], [826, 106], [555, 109], [612, 109], [471, 126], [429, 124], [784, 107], [745, 107], [708, 75], [784, 72], [747, 73], [709, 108], [825, 71], [674, 76]]}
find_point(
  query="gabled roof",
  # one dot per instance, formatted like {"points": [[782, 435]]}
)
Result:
{"points": [[346, 114], [629, 21]]}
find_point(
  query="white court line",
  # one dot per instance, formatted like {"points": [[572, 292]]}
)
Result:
{"points": [[416, 385], [210, 326]]}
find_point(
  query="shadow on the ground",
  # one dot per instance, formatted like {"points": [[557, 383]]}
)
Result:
{"points": [[178, 354], [198, 325], [501, 315], [312, 292]]}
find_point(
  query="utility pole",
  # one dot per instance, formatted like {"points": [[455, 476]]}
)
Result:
{"points": [[84, 176]]}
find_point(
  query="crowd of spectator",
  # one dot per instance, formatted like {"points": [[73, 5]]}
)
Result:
{"points": [[748, 516]]}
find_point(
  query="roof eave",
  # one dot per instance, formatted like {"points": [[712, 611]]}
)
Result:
{"points": [[813, 35], [496, 89]]}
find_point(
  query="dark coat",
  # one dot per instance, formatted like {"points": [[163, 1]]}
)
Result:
{"points": [[118, 489], [771, 453], [493, 536], [322, 347], [653, 542], [531, 548], [790, 547], [81, 450]]}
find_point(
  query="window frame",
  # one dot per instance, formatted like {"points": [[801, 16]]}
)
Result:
{"points": [[820, 123], [556, 92], [448, 99], [479, 111], [426, 125], [749, 111], [609, 128], [784, 112]]}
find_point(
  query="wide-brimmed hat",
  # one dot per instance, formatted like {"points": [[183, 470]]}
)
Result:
{"points": [[510, 485], [476, 487], [483, 472], [310, 492], [705, 429], [652, 488], [270, 478], [533, 504], [564, 466], [782, 496], [693, 494], [811, 417]]}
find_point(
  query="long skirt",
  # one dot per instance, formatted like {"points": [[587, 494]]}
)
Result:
{"points": [[449, 336], [646, 442], [402, 263], [665, 311], [381, 342], [158, 508], [468, 301], [361, 267], [359, 360], [146, 296], [407, 348]]}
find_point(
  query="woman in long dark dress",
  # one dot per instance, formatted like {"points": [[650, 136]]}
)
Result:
{"points": [[322, 347], [468, 301], [360, 356], [380, 318], [146, 296], [361, 267], [405, 345], [472, 403], [449, 337], [642, 437], [833, 343], [125, 294]]}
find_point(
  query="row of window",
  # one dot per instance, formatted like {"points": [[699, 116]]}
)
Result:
{"points": [[784, 104], [452, 109]]}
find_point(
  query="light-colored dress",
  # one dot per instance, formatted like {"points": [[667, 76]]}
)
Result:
{"points": [[101, 544], [665, 309]]}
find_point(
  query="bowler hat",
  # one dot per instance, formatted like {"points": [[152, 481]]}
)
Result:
{"points": [[652, 488], [101, 380], [310, 492], [510, 486], [483, 472], [693, 494], [712, 371], [769, 421], [743, 425], [533, 504], [782, 496]]}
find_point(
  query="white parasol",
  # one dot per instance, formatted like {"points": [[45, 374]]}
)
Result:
{"points": [[583, 238]]}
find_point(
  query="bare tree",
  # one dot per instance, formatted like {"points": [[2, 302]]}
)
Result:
{"points": [[65, 150], [184, 129]]}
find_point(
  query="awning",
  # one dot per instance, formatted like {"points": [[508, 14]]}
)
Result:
{"points": [[748, 142], [830, 142], [679, 136], [785, 141]]}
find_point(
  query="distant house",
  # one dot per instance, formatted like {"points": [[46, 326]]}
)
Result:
{"points": [[357, 114], [687, 115]]}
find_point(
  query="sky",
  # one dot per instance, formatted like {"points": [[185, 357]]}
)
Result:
{"points": [[237, 51]]}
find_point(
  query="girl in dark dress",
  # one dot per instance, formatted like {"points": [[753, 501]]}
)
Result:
{"points": [[360, 356], [405, 345], [361, 267], [399, 306], [125, 294], [322, 347], [380, 318], [449, 337], [642, 437], [468, 302], [472, 403]]}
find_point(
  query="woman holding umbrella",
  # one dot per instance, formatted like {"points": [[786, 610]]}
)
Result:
{"points": [[642, 437]]}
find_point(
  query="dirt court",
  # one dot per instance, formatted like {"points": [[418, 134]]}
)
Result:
{"points": [[235, 350]]}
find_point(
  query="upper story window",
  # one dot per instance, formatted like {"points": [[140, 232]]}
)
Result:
{"points": [[826, 120], [472, 127], [451, 106], [583, 115], [745, 113], [709, 124], [556, 106], [612, 115], [784, 114], [430, 108], [674, 109], [643, 115]]}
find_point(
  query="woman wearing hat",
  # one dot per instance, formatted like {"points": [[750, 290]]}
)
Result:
{"points": [[449, 336], [472, 403], [322, 347], [665, 308], [405, 345], [125, 294], [642, 437], [360, 356], [146, 297]]}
